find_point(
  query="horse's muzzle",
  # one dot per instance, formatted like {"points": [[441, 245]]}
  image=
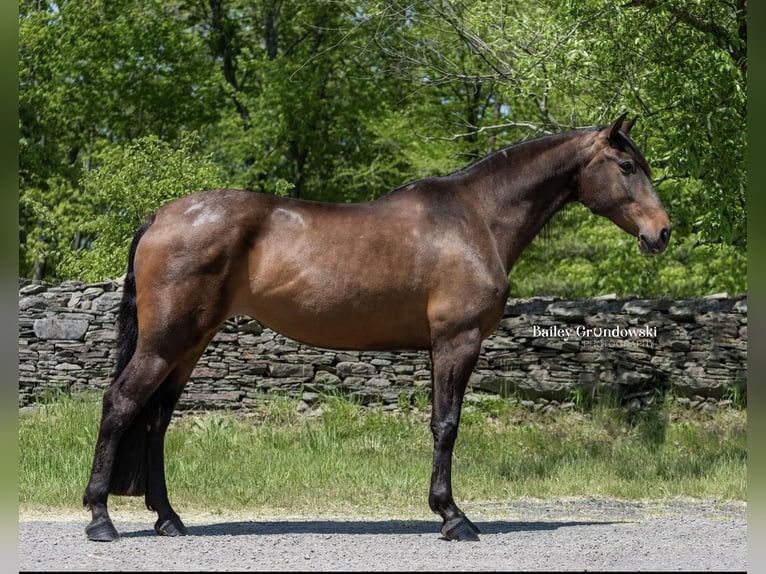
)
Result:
{"points": [[655, 246]]}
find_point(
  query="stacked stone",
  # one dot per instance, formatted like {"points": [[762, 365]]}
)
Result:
{"points": [[66, 338], [544, 351], [244, 361], [692, 347]]}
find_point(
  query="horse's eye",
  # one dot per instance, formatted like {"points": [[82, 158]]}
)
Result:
{"points": [[627, 167]]}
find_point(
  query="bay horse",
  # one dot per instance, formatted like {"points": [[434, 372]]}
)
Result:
{"points": [[424, 267]]}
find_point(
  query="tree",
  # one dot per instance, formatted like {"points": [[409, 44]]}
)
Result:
{"points": [[558, 65], [93, 73], [131, 184], [301, 92], [344, 101]]}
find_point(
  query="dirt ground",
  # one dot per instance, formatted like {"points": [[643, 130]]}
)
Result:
{"points": [[557, 535]]}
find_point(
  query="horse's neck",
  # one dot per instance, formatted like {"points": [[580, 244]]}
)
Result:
{"points": [[522, 187]]}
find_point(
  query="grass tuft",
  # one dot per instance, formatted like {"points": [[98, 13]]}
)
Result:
{"points": [[343, 457]]}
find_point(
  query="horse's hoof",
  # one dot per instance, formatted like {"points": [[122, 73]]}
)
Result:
{"points": [[472, 525], [460, 529], [102, 531], [171, 527]]}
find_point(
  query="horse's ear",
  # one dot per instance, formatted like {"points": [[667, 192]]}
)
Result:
{"points": [[627, 127], [617, 126]]}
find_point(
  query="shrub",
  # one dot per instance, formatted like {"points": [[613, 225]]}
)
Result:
{"points": [[131, 183]]}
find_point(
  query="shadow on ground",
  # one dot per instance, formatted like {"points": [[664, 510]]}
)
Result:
{"points": [[350, 527]]}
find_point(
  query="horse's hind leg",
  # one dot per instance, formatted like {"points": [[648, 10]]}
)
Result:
{"points": [[168, 522], [122, 402], [156, 497]]}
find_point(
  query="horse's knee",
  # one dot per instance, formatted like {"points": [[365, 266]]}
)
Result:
{"points": [[444, 431]]}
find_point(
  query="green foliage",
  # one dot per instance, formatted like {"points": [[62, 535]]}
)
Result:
{"points": [[737, 394], [589, 255], [345, 101], [95, 75], [583, 397], [130, 185]]}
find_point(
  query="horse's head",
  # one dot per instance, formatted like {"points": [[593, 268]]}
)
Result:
{"points": [[615, 183]]}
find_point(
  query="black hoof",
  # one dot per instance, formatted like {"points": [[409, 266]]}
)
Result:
{"points": [[102, 531], [460, 529], [472, 525], [171, 527]]}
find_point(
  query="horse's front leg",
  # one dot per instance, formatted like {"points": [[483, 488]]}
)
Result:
{"points": [[452, 361]]}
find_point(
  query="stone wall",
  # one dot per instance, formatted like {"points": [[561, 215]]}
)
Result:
{"points": [[544, 350]]}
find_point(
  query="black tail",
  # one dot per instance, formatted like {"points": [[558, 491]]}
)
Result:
{"points": [[127, 318], [129, 472]]}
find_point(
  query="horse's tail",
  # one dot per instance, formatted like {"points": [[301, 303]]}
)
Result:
{"points": [[129, 471], [127, 317]]}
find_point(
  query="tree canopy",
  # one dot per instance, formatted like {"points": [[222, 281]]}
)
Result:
{"points": [[342, 101]]}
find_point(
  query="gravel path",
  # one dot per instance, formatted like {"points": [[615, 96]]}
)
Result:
{"points": [[580, 534]]}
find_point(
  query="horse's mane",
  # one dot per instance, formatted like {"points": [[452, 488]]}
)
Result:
{"points": [[623, 142]]}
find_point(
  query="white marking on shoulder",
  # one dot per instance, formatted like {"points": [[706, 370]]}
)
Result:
{"points": [[288, 216], [194, 207], [202, 213], [207, 216]]}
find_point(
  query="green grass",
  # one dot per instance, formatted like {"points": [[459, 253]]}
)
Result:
{"points": [[354, 460]]}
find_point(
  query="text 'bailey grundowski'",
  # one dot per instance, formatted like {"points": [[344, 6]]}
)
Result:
{"points": [[581, 331]]}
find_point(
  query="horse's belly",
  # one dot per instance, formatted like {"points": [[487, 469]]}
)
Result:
{"points": [[358, 326], [338, 313]]}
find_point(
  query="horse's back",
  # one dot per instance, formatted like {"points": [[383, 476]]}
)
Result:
{"points": [[363, 275], [318, 272]]}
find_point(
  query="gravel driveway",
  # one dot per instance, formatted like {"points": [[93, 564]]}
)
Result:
{"points": [[579, 534]]}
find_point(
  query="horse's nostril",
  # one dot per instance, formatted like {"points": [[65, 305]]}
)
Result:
{"points": [[665, 235], [642, 238]]}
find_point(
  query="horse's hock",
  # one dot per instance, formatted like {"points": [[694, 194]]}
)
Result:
{"points": [[546, 350]]}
